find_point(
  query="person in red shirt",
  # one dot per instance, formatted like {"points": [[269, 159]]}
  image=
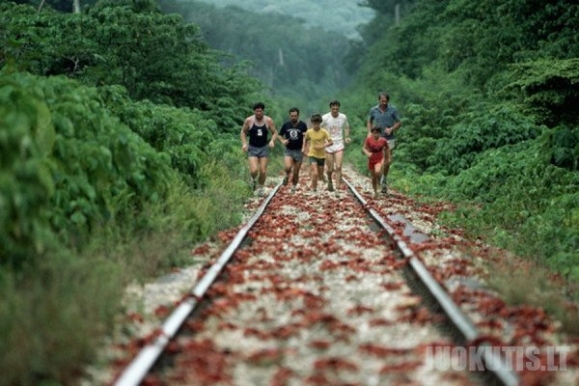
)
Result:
{"points": [[376, 148]]}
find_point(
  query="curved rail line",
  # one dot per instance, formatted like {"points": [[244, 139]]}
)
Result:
{"points": [[495, 366]]}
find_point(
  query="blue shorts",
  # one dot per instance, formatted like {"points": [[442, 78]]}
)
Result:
{"points": [[258, 152], [295, 155]]}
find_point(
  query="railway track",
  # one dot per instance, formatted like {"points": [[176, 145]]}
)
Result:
{"points": [[316, 288]]}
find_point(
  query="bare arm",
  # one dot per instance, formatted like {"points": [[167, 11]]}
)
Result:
{"points": [[329, 142], [397, 125], [281, 139], [393, 128], [272, 128], [365, 149], [347, 132], [243, 134]]}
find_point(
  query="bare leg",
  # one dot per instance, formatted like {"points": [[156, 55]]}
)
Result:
{"points": [[287, 168], [253, 171], [320, 173], [253, 166], [387, 162], [329, 166], [314, 175], [376, 174], [338, 158], [296, 172], [262, 170]]}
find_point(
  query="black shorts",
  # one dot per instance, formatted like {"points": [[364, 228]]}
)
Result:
{"points": [[319, 161]]}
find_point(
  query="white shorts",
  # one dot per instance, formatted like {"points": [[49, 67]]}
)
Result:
{"points": [[391, 143], [336, 147]]}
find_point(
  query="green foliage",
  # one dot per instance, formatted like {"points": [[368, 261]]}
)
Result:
{"points": [[295, 62], [550, 89], [58, 5], [490, 179], [518, 196], [487, 93], [52, 317], [167, 129], [477, 40], [153, 55], [344, 18], [486, 127], [89, 169], [97, 189], [563, 145], [27, 137], [407, 48], [187, 136]]}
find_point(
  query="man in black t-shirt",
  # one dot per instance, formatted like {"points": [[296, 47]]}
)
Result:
{"points": [[291, 135]]}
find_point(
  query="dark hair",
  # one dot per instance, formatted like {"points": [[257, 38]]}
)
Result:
{"points": [[259, 105], [384, 94], [335, 103], [375, 128], [316, 118], [294, 109]]}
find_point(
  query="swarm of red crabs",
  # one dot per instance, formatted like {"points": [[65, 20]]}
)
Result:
{"points": [[316, 297]]}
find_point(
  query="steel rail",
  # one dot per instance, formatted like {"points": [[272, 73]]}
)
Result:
{"points": [[494, 363], [142, 364], [144, 361]]}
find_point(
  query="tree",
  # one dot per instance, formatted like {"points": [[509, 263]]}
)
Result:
{"points": [[129, 43]]}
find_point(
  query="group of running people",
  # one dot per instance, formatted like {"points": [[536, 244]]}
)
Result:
{"points": [[323, 143]]}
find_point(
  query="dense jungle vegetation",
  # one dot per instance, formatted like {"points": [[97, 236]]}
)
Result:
{"points": [[119, 140], [343, 17], [298, 63]]}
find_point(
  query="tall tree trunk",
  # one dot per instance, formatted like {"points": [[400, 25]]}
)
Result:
{"points": [[40, 6], [76, 6]]}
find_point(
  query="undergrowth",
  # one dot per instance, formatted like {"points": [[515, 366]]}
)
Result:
{"points": [[55, 314]]}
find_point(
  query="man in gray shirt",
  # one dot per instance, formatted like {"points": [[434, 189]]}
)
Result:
{"points": [[387, 119]]}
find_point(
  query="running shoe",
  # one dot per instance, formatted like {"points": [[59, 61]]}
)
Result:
{"points": [[384, 186], [253, 184]]}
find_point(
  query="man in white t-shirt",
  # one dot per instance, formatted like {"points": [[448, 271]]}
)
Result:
{"points": [[337, 125]]}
